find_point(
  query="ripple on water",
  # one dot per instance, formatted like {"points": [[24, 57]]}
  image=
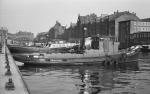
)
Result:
{"points": [[88, 79]]}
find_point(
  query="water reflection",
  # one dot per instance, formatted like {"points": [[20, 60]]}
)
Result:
{"points": [[90, 82], [86, 79]]}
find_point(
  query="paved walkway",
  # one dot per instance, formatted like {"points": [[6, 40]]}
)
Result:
{"points": [[20, 87]]}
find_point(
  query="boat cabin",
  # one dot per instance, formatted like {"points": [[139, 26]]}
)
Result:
{"points": [[106, 44]]}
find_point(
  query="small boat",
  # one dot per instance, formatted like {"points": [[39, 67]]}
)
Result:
{"points": [[42, 60], [107, 47], [25, 49], [74, 59], [53, 47], [145, 48], [133, 53]]}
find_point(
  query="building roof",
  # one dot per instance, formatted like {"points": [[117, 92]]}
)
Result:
{"points": [[72, 24], [93, 17], [117, 15], [59, 29], [146, 19], [88, 18]]}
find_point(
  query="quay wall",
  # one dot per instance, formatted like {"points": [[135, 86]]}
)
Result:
{"points": [[18, 86]]}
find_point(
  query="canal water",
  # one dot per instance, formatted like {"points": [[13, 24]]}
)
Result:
{"points": [[133, 78]]}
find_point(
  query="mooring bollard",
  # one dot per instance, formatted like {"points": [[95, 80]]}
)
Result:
{"points": [[8, 72], [6, 58], [6, 62], [7, 65], [9, 85]]}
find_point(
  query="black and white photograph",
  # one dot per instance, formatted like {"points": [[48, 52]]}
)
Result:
{"points": [[74, 47]]}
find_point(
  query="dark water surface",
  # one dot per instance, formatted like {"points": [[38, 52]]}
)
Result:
{"points": [[133, 78]]}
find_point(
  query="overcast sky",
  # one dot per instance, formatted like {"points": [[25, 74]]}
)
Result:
{"points": [[40, 15]]}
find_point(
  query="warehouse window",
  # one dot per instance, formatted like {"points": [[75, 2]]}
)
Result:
{"points": [[145, 35], [143, 29], [148, 28], [134, 23], [145, 23], [139, 29], [148, 34]]}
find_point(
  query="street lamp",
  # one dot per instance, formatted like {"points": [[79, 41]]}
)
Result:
{"points": [[83, 38], [84, 32], [85, 28]]}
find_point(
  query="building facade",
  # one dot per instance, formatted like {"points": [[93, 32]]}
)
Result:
{"points": [[56, 32], [140, 33], [21, 37], [134, 33], [106, 25]]}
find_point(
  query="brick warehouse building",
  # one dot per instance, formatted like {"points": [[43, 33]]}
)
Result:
{"points": [[134, 33], [117, 25], [104, 25]]}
